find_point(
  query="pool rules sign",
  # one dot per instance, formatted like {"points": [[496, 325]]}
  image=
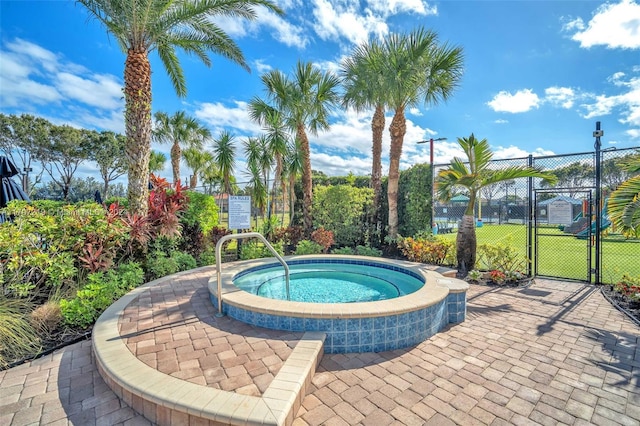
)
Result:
{"points": [[239, 212]]}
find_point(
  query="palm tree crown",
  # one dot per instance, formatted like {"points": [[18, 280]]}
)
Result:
{"points": [[141, 26]]}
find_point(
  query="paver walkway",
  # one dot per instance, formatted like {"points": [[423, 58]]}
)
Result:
{"points": [[554, 353]]}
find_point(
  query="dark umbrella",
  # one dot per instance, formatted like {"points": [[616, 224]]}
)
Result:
{"points": [[7, 168], [9, 190]]}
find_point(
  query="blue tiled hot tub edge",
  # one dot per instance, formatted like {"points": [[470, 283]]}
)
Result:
{"points": [[372, 334]]}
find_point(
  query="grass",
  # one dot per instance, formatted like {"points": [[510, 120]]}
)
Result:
{"points": [[565, 256]]}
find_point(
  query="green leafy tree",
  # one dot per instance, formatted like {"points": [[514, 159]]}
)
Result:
{"points": [[575, 177], [21, 137], [414, 199], [179, 130], [305, 100], [107, 150], [293, 166], [472, 176], [163, 25], [343, 209], [417, 70], [62, 154], [363, 81]]}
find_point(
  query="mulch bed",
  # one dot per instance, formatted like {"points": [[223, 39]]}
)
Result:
{"points": [[623, 303]]}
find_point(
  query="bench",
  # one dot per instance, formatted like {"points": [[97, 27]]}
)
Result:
{"points": [[444, 228]]}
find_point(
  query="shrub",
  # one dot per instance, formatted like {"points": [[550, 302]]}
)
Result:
{"points": [[254, 249], [629, 286], [46, 318], [343, 209], [502, 257], [343, 250], [497, 277], [159, 264], [368, 251], [308, 247], [215, 234], [207, 257], [290, 236], [101, 290], [323, 237], [201, 209], [192, 239], [184, 260], [17, 337], [431, 250], [474, 275]]}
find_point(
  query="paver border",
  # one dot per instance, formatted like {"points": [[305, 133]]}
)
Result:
{"points": [[160, 397]]}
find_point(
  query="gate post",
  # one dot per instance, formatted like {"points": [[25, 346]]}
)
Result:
{"points": [[531, 209], [597, 134]]}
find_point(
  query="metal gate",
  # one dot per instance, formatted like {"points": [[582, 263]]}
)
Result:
{"points": [[564, 236]]}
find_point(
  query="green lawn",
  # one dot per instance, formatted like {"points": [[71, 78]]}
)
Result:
{"points": [[566, 256]]}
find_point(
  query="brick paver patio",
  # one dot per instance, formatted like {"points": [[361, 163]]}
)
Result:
{"points": [[554, 353]]}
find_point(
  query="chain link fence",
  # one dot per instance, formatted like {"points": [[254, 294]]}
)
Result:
{"points": [[555, 227]]}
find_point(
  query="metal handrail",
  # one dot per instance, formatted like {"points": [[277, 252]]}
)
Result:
{"points": [[240, 237]]}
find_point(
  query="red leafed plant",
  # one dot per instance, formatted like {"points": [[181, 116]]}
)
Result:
{"points": [[323, 237], [165, 204], [95, 259]]}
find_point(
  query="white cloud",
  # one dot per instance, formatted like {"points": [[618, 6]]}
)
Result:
{"points": [[612, 25], [103, 91], [560, 96], [261, 66], [336, 20], [219, 117], [521, 101], [500, 121], [335, 165], [501, 152], [415, 111], [392, 7], [628, 102], [634, 133]]}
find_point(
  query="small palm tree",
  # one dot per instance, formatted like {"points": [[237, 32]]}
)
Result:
{"points": [[142, 26], [293, 166], [179, 129], [156, 161], [472, 176], [624, 202], [304, 100], [198, 161], [224, 152]]}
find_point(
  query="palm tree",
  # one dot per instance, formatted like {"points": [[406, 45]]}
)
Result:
{"points": [[473, 176], [156, 161], [179, 129], [304, 100], [198, 161], [624, 202], [142, 26], [272, 122], [362, 79], [292, 169], [417, 70], [224, 152]]}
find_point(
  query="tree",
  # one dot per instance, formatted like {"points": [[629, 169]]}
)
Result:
{"points": [[624, 202], [21, 137], [107, 151], [417, 70], [615, 171], [363, 81], [224, 152], [473, 176], [163, 25], [179, 129], [277, 136], [293, 166], [156, 161], [61, 155], [576, 176], [198, 161], [304, 100]]}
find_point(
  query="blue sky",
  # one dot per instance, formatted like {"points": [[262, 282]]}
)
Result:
{"points": [[538, 74]]}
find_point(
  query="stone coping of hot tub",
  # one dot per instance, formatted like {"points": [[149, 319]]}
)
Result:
{"points": [[435, 289], [144, 387]]}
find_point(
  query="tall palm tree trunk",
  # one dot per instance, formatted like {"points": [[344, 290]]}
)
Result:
{"points": [[277, 178], [377, 129], [176, 153], [292, 198], [137, 91], [397, 129], [307, 184]]}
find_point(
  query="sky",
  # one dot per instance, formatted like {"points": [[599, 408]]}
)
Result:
{"points": [[537, 74]]}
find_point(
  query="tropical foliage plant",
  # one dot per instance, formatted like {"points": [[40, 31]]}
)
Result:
{"points": [[624, 202]]}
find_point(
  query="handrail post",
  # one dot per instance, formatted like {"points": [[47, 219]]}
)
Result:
{"points": [[240, 237]]}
